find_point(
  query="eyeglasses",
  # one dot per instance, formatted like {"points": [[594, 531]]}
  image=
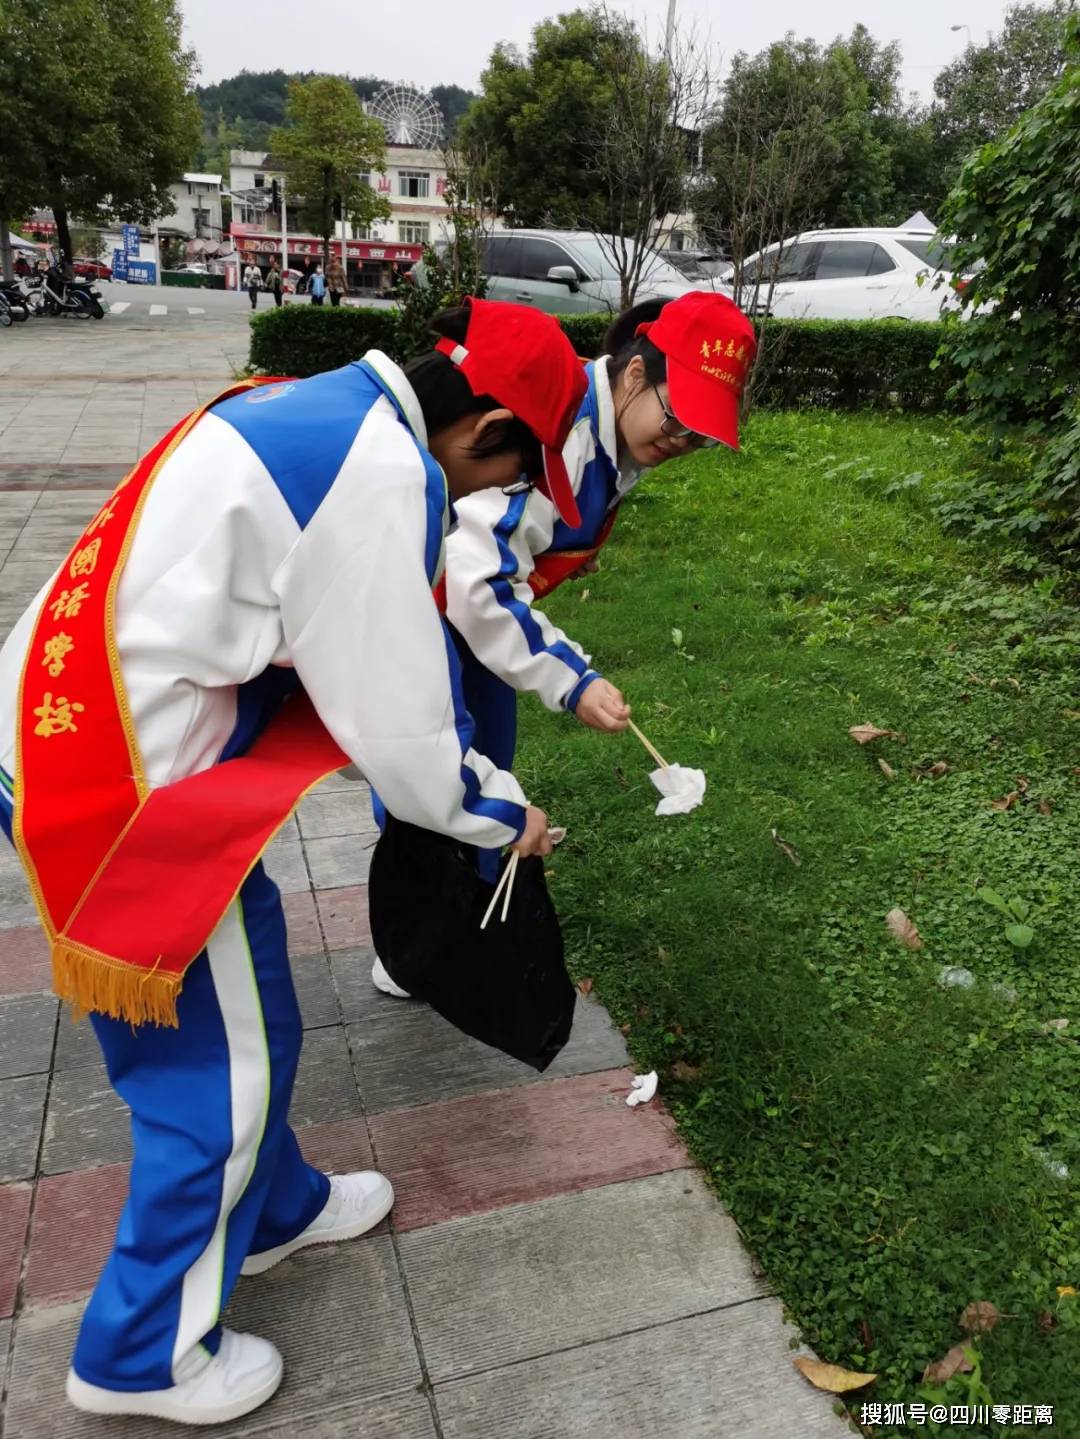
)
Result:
{"points": [[670, 426]]}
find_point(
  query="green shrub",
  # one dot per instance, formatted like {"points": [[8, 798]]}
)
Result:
{"points": [[192, 282], [304, 339], [1016, 209], [835, 364]]}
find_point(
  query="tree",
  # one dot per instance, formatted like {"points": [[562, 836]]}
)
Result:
{"points": [[88, 142], [1016, 212], [534, 113], [990, 86], [327, 145], [847, 93]]}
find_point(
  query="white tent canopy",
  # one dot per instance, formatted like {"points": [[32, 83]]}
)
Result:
{"points": [[18, 243], [918, 221]]}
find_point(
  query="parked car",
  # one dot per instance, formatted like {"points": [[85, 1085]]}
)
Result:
{"points": [[698, 266], [563, 272], [196, 268], [869, 274], [91, 269]]}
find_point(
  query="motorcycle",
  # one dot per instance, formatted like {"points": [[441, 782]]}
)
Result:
{"points": [[70, 296], [12, 303]]}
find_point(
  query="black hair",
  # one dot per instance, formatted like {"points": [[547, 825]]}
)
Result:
{"points": [[445, 396], [622, 342]]}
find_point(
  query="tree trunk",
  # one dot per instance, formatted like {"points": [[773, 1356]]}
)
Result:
{"points": [[7, 271], [63, 234]]}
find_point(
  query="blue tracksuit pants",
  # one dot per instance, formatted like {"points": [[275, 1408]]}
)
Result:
{"points": [[217, 1172]]}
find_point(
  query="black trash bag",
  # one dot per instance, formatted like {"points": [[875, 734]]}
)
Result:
{"points": [[507, 984]]}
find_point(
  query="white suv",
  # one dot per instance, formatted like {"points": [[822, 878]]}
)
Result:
{"points": [[852, 275]]}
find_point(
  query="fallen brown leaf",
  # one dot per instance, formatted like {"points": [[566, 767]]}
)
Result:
{"points": [[624, 1029], [1053, 1025], [1046, 1321], [980, 1317], [786, 847], [620, 778], [831, 1377], [1006, 801], [1022, 784], [1046, 808], [685, 1073], [584, 987], [974, 678], [1071, 714], [866, 733], [887, 770], [932, 771], [901, 928], [955, 1362]]}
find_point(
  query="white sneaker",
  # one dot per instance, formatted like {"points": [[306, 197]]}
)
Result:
{"points": [[357, 1202], [382, 981], [244, 1373]]}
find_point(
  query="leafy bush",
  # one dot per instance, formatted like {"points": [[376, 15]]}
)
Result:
{"points": [[1016, 208], [836, 364], [304, 339]]}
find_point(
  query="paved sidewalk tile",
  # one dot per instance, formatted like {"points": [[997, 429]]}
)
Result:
{"points": [[14, 1213], [340, 811], [340, 860], [725, 1375], [76, 1043], [344, 916], [27, 1026], [338, 1317], [351, 969], [22, 1104], [76, 1213], [406, 1054], [302, 923], [74, 1226], [284, 863], [315, 991], [569, 1271], [25, 965], [87, 1123], [325, 1087], [471, 1155]]}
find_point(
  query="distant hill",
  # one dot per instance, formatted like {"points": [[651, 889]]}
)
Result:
{"points": [[239, 113]]}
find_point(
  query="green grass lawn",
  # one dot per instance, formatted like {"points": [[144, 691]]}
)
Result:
{"points": [[891, 1148]]}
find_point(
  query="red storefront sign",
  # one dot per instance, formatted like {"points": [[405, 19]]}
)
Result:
{"points": [[253, 239]]}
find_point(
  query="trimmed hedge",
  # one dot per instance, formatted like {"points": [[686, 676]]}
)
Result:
{"points": [[835, 364], [188, 281]]}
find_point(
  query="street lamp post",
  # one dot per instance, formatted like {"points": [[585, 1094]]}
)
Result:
{"points": [[954, 28]]}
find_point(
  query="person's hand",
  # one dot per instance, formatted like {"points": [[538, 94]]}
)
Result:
{"points": [[534, 837], [602, 707], [590, 567]]}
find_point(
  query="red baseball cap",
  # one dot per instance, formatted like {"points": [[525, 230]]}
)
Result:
{"points": [[523, 359], [710, 346]]}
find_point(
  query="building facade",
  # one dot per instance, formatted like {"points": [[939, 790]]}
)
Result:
{"points": [[196, 209]]}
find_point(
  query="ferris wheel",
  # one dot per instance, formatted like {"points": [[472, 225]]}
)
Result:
{"points": [[409, 116]]}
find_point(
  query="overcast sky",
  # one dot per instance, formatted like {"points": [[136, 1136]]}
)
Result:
{"points": [[431, 42]]}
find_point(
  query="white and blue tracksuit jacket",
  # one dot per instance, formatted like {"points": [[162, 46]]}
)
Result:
{"points": [[292, 537]]}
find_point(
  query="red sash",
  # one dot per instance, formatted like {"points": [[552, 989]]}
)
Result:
{"points": [[130, 882], [556, 566]]}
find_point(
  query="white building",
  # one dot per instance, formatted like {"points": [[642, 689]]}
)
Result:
{"points": [[196, 209], [414, 182]]}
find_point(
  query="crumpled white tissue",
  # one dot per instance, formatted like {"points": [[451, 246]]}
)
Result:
{"points": [[683, 789], [644, 1088]]}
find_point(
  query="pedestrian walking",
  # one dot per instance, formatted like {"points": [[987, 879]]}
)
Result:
{"points": [[253, 283], [273, 282], [317, 286], [337, 281], [251, 610]]}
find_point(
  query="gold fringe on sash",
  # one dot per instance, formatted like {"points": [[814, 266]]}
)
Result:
{"points": [[92, 981]]}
